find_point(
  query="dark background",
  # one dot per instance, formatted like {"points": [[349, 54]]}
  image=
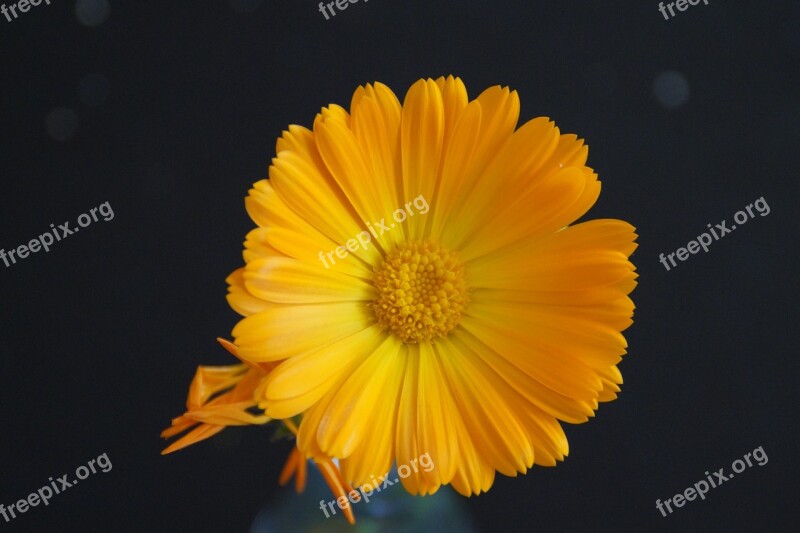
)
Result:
{"points": [[101, 336]]}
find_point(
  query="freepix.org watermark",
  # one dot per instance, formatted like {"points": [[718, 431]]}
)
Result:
{"points": [[718, 231], [44, 494], [45, 240], [364, 238], [23, 5], [682, 5], [341, 5], [701, 488], [366, 490]]}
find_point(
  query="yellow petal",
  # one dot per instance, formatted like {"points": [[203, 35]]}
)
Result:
{"points": [[360, 400], [452, 191], [286, 280], [376, 129], [285, 231], [554, 203], [500, 111], [513, 170], [282, 332], [436, 433], [454, 101], [376, 451], [370, 196], [421, 136], [315, 196], [491, 422], [548, 400], [556, 369], [406, 447], [240, 299], [318, 371]]}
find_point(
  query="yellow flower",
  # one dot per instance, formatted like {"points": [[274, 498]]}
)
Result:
{"points": [[418, 277]]}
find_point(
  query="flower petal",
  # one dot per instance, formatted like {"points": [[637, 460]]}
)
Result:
{"points": [[481, 395], [359, 400], [421, 137], [555, 202], [286, 232], [436, 433], [316, 197], [282, 332], [289, 281], [240, 299], [311, 375]]}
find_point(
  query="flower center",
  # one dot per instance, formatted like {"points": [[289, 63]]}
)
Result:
{"points": [[421, 291]]}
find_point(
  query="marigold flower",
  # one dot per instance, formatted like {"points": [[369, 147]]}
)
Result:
{"points": [[469, 331]]}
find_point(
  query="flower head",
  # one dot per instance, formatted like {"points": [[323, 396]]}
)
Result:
{"points": [[420, 283]]}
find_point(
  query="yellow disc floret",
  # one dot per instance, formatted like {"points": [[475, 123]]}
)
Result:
{"points": [[421, 291]]}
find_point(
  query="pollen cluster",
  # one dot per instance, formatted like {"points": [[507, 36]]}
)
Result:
{"points": [[421, 291]]}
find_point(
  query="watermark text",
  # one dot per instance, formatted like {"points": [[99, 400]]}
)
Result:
{"points": [[364, 238], [45, 240], [718, 231], [701, 488], [366, 490], [57, 486]]}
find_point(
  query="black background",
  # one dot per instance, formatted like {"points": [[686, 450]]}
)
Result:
{"points": [[101, 336]]}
